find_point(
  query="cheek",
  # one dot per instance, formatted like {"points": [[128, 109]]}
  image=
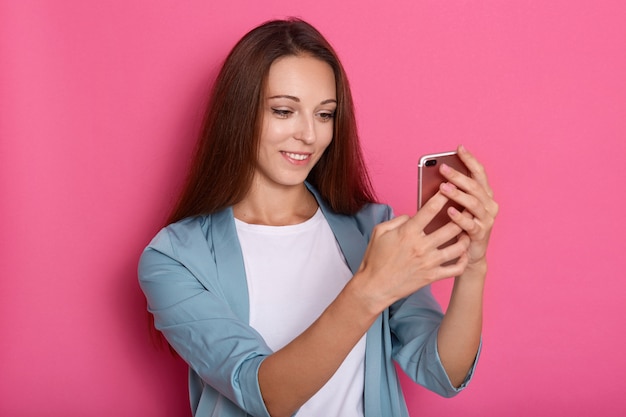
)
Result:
{"points": [[325, 144], [327, 134], [271, 133]]}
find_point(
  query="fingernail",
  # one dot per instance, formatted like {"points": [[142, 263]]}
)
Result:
{"points": [[447, 187], [445, 168], [452, 211]]}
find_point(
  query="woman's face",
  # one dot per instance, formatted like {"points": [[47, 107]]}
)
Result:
{"points": [[298, 109]]}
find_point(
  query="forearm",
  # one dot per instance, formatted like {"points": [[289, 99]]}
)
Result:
{"points": [[292, 375], [459, 334]]}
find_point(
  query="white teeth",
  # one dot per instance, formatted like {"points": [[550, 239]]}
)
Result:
{"points": [[296, 156]]}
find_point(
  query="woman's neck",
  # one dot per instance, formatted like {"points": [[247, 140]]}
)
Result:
{"points": [[276, 206]]}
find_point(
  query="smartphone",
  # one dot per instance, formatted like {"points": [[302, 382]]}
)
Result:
{"points": [[429, 180]]}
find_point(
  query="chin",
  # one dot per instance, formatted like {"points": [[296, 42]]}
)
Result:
{"points": [[291, 181]]}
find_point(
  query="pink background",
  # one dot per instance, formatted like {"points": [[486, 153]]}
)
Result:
{"points": [[99, 104]]}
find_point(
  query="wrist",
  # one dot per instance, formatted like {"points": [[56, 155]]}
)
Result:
{"points": [[369, 302], [476, 269]]}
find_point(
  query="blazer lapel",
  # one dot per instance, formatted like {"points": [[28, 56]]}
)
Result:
{"points": [[351, 241], [231, 272]]}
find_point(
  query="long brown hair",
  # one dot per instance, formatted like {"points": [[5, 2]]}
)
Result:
{"points": [[226, 153]]}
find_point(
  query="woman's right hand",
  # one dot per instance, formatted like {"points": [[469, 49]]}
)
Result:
{"points": [[400, 258]]}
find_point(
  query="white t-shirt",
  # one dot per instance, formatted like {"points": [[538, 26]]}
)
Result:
{"points": [[294, 272]]}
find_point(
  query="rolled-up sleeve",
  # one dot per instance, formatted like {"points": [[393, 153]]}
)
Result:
{"points": [[196, 320], [414, 322]]}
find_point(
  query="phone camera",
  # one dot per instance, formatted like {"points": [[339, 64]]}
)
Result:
{"points": [[431, 163]]}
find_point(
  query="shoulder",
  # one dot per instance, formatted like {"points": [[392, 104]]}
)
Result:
{"points": [[190, 240], [183, 245], [366, 218], [374, 213], [182, 235], [370, 215]]}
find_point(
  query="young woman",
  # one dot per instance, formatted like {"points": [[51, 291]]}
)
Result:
{"points": [[280, 281]]}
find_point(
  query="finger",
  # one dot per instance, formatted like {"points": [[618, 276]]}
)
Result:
{"points": [[427, 212], [444, 234], [475, 204], [480, 206], [392, 224], [476, 183], [476, 169], [476, 228], [455, 269], [466, 183], [379, 230], [465, 239], [472, 187], [454, 248]]}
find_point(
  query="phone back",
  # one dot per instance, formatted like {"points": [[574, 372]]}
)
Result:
{"points": [[429, 180]]}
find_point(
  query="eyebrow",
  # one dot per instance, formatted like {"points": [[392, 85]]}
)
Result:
{"points": [[297, 100]]}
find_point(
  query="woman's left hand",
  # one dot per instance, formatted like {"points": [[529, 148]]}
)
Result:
{"points": [[475, 194]]}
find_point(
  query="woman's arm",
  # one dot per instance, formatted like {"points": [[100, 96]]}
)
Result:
{"points": [[292, 375], [459, 335], [458, 338], [400, 260]]}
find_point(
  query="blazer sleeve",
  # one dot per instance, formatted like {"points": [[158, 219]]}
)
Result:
{"points": [[414, 323], [190, 310]]}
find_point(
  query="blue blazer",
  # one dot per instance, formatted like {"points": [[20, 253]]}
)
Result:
{"points": [[193, 276]]}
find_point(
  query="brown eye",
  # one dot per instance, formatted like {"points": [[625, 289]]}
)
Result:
{"points": [[283, 114], [327, 116]]}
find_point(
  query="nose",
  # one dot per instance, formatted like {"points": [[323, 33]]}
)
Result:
{"points": [[306, 130]]}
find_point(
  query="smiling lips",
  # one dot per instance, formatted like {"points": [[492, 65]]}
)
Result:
{"points": [[296, 157]]}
